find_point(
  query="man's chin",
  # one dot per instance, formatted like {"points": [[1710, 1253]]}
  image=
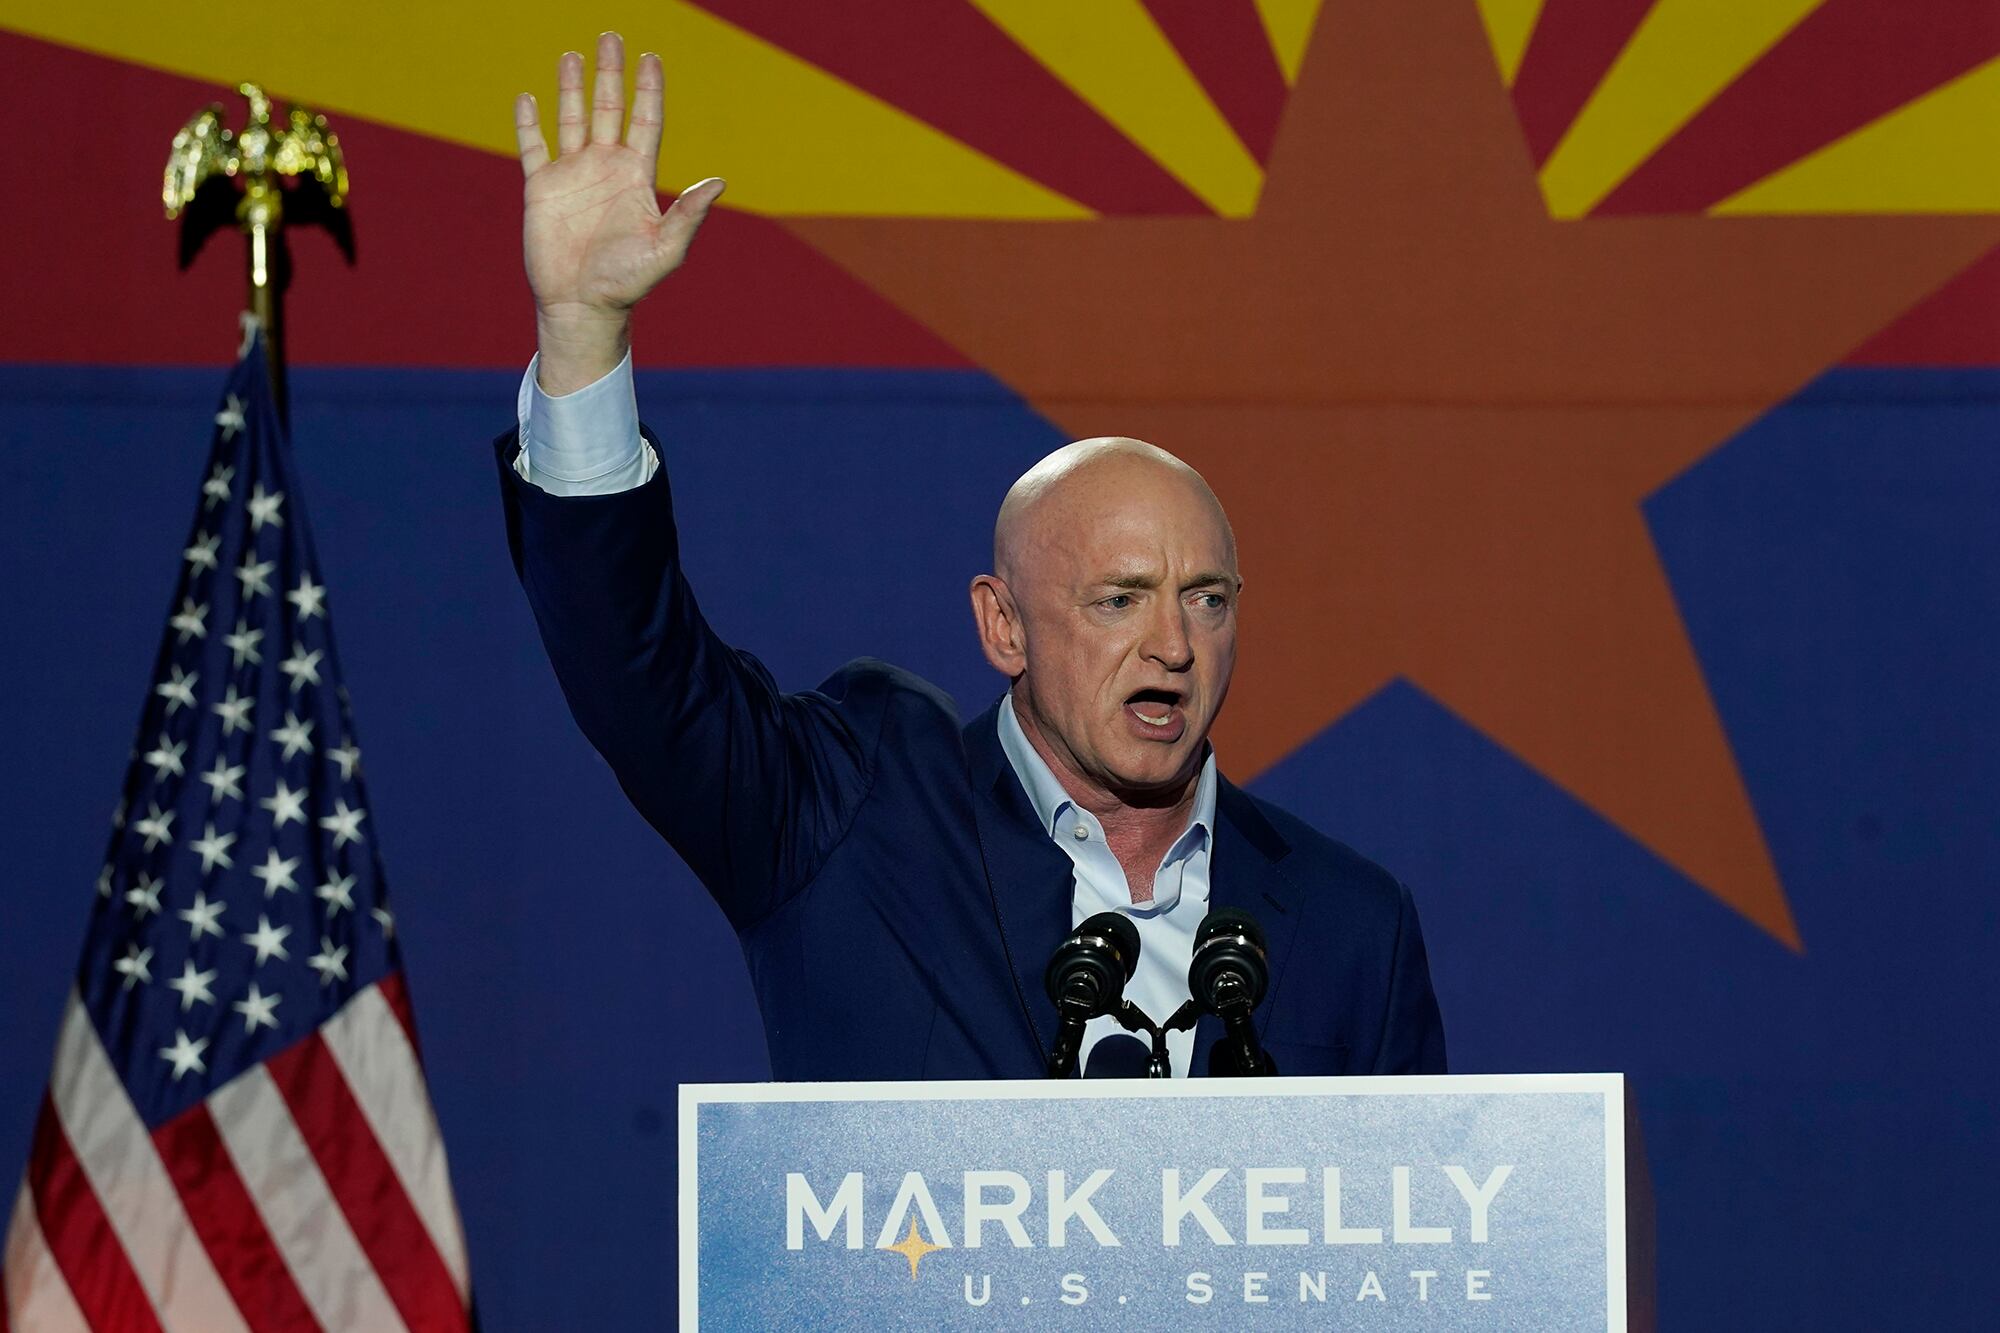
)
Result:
{"points": [[1160, 777]]}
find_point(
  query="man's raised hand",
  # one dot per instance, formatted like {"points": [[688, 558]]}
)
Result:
{"points": [[592, 232]]}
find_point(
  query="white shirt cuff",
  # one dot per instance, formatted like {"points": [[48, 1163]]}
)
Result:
{"points": [[583, 443]]}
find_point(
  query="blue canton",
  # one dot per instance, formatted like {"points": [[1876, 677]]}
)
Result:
{"points": [[241, 901]]}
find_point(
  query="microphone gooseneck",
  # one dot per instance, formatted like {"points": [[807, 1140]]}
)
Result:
{"points": [[1086, 978], [1227, 978]]}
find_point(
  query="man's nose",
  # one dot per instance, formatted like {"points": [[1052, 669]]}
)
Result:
{"points": [[1167, 640]]}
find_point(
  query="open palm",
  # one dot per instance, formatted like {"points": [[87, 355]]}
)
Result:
{"points": [[594, 238]]}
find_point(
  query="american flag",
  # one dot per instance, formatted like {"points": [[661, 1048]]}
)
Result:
{"points": [[237, 1133]]}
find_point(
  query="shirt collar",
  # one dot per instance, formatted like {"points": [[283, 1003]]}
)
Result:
{"points": [[1052, 803]]}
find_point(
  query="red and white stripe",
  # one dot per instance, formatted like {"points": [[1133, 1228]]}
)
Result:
{"points": [[309, 1193]]}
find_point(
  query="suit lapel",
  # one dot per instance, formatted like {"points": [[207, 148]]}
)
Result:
{"points": [[1031, 881], [1247, 873], [1033, 884]]}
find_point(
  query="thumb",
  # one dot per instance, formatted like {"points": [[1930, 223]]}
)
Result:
{"points": [[678, 227]]}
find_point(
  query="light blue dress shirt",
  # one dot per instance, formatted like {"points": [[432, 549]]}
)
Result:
{"points": [[583, 443], [1180, 888], [588, 443]]}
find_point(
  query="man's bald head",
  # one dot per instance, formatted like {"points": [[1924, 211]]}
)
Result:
{"points": [[1112, 608], [1068, 484]]}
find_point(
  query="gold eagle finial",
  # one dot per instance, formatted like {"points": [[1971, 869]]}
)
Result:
{"points": [[205, 148]]}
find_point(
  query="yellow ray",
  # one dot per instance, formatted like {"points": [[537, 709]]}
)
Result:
{"points": [[1509, 23], [1934, 155], [1113, 56], [1683, 53], [790, 137], [1288, 23]]}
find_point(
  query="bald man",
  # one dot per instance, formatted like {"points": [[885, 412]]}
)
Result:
{"points": [[899, 878]]}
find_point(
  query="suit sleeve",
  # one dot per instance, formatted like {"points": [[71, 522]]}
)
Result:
{"points": [[752, 786], [1412, 1029]]}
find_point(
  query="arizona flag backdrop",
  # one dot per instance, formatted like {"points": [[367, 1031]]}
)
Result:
{"points": [[1605, 393]]}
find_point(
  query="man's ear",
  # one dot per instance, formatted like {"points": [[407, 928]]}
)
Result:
{"points": [[998, 621]]}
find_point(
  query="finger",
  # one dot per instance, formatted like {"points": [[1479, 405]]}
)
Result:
{"points": [[648, 97], [569, 102], [607, 101], [684, 219], [528, 135]]}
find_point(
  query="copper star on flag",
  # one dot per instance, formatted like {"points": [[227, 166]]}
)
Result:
{"points": [[1433, 411]]}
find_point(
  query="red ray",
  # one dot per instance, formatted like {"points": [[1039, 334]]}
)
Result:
{"points": [[438, 282], [952, 67], [1573, 44], [1848, 63], [1224, 43], [1959, 325]]}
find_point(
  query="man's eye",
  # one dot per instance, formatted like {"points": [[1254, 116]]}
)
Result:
{"points": [[1118, 602], [1211, 601]]}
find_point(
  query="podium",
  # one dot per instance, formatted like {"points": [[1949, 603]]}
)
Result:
{"points": [[1436, 1202]]}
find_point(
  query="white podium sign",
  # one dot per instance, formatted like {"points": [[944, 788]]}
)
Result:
{"points": [[1470, 1202]]}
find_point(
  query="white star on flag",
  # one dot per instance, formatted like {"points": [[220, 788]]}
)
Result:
{"points": [[156, 827], [202, 918], [268, 939], [308, 597], [144, 896], [285, 805], [234, 710], [344, 824], [216, 488], [295, 735], [134, 965], [201, 555], [348, 756], [276, 872], [302, 666], [185, 1054], [264, 508], [213, 849], [165, 758], [178, 692], [256, 575], [329, 962], [193, 986], [230, 418], [191, 620], [256, 1009], [336, 893], [224, 780], [385, 919], [243, 644], [104, 882]]}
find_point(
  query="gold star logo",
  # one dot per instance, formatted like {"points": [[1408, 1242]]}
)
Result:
{"points": [[913, 1248]]}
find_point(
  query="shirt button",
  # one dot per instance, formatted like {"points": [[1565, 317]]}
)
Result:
{"points": [[1082, 833]]}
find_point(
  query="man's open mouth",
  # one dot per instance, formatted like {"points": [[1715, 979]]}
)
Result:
{"points": [[1157, 711]]}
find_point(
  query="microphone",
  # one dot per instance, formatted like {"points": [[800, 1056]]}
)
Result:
{"points": [[1086, 978], [1227, 978]]}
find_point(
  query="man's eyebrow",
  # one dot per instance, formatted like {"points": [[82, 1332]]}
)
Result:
{"points": [[1208, 578]]}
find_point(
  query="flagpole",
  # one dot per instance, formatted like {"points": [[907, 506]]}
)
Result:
{"points": [[207, 156], [263, 214]]}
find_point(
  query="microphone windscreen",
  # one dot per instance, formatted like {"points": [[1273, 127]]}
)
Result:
{"points": [[1228, 951], [1229, 921], [1117, 928]]}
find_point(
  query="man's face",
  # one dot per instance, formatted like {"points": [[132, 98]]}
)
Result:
{"points": [[1127, 590]]}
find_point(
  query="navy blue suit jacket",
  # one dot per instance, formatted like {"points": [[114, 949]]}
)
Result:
{"points": [[895, 894]]}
